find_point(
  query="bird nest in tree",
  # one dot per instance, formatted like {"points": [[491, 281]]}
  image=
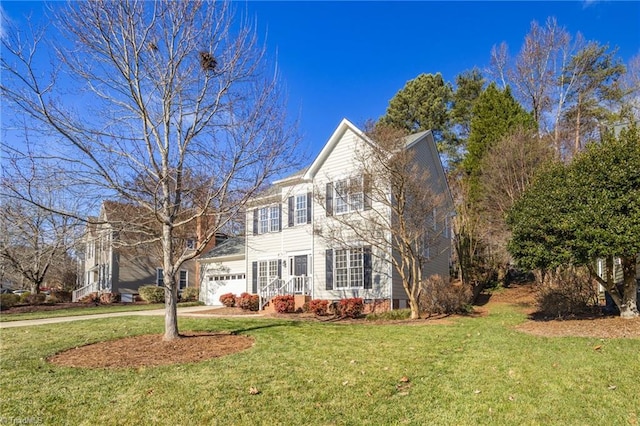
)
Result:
{"points": [[208, 62]]}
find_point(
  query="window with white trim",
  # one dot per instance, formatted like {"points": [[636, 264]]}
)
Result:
{"points": [[263, 220], [267, 272], [268, 219], [301, 209], [274, 215], [349, 195], [183, 279], [349, 268]]}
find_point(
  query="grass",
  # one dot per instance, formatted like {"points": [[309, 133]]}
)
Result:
{"points": [[473, 371], [87, 310]]}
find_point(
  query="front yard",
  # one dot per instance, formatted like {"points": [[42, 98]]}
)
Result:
{"points": [[467, 371]]}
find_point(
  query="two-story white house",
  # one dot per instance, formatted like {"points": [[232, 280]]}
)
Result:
{"points": [[286, 250]]}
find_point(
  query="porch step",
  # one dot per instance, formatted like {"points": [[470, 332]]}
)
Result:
{"points": [[298, 302]]}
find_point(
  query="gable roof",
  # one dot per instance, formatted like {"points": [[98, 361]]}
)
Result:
{"points": [[230, 247], [342, 128], [331, 144]]}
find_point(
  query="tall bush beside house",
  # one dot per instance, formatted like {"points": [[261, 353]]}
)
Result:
{"points": [[439, 296], [152, 293], [190, 294]]}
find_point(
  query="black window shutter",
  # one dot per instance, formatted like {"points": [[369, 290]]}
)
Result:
{"points": [[280, 268], [329, 199], [291, 201], [366, 187], [255, 221], [254, 277], [279, 217], [329, 269], [309, 207], [366, 255]]}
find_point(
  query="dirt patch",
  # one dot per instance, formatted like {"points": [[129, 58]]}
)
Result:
{"points": [[228, 312], [592, 324], [599, 327], [151, 350]]}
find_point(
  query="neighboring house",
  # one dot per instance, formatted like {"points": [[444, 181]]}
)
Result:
{"points": [[116, 262], [618, 278], [284, 253]]}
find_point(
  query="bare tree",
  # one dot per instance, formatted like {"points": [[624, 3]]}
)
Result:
{"points": [[631, 87], [34, 241], [403, 213], [141, 95], [540, 73], [508, 169]]}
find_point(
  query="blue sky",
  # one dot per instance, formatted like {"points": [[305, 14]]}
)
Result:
{"points": [[347, 59]]}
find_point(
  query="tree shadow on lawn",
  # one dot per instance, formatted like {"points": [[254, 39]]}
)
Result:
{"points": [[149, 350]]}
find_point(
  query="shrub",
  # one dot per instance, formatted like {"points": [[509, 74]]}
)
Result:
{"points": [[284, 304], [567, 293], [90, 298], [151, 293], [108, 298], [24, 296], [190, 294], [53, 300], [8, 300], [34, 299], [396, 314], [316, 306], [228, 300], [248, 302], [62, 295], [439, 296], [351, 308]]}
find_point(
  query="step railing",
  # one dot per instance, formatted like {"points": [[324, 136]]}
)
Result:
{"points": [[278, 287], [84, 291]]}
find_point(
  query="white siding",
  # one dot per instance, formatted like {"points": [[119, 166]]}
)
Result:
{"points": [[222, 277], [279, 245]]}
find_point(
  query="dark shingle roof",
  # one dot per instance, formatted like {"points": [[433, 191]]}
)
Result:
{"points": [[231, 247]]}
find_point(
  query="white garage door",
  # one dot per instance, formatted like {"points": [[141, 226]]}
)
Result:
{"points": [[215, 286]]}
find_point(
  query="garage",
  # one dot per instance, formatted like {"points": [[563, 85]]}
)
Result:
{"points": [[214, 286], [223, 271]]}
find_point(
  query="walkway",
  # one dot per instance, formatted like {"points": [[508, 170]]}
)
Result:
{"points": [[187, 311]]}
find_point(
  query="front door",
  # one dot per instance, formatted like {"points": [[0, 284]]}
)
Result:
{"points": [[300, 266]]}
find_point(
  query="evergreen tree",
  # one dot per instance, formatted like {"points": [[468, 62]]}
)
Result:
{"points": [[495, 114], [423, 104]]}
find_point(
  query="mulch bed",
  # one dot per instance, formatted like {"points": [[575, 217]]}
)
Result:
{"points": [[150, 350]]}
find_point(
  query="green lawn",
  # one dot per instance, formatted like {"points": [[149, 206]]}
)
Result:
{"points": [[473, 371]]}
